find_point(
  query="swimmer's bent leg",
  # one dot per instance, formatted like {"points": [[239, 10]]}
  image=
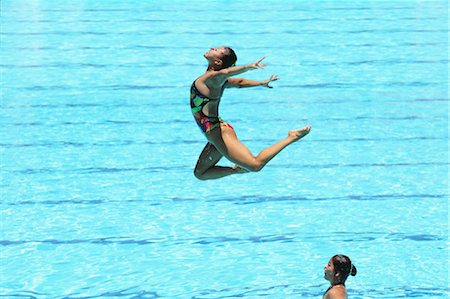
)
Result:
{"points": [[206, 168]]}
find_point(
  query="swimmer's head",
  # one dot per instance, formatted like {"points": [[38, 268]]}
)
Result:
{"points": [[229, 58], [221, 57], [339, 268]]}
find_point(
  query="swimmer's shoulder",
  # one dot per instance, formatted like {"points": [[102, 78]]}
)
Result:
{"points": [[212, 79], [336, 293]]}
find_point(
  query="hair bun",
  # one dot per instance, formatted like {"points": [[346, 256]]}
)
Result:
{"points": [[353, 271]]}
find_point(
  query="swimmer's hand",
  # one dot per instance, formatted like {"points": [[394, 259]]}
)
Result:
{"points": [[257, 64], [236, 70], [265, 83]]}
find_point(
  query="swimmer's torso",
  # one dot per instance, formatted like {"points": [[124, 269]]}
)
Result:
{"points": [[204, 110]]}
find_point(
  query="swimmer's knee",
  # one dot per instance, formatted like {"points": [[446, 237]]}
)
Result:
{"points": [[255, 167], [199, 174]]}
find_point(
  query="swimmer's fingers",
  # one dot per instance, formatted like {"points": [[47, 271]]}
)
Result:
{"points": [[258, 64], [274, 78]]}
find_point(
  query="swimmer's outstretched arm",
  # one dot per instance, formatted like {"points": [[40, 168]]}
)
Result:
{"points": [[244, 83], [236, 70]]}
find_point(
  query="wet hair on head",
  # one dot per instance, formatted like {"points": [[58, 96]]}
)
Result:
{"points": [[343, 265], [229, 58]]}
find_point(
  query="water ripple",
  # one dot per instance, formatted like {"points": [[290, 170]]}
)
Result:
{"points": [[170, 241], [113, 294], [240, 200], [185, 121], [300, 290], [83, 202], [254, 199], [64, 144], [248, 47], [106, 87], [155, 169], [358, 85], [164, 104], [236, 293]]}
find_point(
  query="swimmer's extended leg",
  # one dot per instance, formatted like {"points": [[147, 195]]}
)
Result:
{"points": [[228, 144], [206, 168], [293, 135]]}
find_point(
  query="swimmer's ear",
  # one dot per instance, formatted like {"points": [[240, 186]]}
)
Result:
{"points": [[218, 62]]}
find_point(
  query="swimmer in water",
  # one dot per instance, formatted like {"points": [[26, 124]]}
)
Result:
{"points": [[206, 92], [336, 272]]}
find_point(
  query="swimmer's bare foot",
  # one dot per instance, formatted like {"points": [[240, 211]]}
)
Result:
{"points": [[239, 169], [300, 133]]}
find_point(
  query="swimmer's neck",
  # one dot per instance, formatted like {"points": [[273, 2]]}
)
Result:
{"points": [[211, 68]]}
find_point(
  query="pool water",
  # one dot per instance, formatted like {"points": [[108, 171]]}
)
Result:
{"points": [[98, 146]]}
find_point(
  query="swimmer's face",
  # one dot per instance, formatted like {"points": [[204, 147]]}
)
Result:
{"points": [[215, 53], [329, 271]]}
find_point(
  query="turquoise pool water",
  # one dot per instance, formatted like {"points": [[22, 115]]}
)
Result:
{"points": [[98, 145]]}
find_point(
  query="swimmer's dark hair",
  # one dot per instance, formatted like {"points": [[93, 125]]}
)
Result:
{"points": [[343, 265], [229, 58]]}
